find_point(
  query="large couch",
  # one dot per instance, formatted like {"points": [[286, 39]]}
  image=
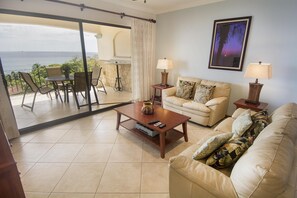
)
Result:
{"points": [[267, 169], [206, 114]]}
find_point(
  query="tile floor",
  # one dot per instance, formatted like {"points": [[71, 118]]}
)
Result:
{"points": [[88, 158], [47, 110]]}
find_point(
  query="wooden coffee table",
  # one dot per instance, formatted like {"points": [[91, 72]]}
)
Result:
{"points": [[166, 135]]}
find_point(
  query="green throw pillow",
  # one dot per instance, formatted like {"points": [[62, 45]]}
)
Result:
{"points": [[211, 145], [242, 123], [229, 153], [204, 93], [185, 89]]}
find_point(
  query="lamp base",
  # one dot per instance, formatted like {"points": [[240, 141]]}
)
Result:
{"points": [[254, 93], [164, 78]]}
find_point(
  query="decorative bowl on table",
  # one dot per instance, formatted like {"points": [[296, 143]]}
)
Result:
{"points": [[147, 108]]}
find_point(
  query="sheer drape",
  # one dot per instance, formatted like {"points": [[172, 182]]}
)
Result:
{"points": [[143, 60]]}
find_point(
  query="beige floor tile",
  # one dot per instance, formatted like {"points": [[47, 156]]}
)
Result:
{"points": [[86, 123], [117, 196], [107, 124], [16, 146], [121, 178], [71, 195], [49, 136], [31, 152], [36, 195], [83, 178], [94, 153], [62, 153], [127, 137], [43, 177], [24, 167], [76, 136], [103, 136], [154, 196], [126, 153], [25, 138], [151, 153], [155, 177]]}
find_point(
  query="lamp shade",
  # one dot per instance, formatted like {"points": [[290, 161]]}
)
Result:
{"points": [[164, 64], [258, 70]]}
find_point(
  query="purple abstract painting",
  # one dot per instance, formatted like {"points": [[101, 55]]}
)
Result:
{"points": [[229, 43]]}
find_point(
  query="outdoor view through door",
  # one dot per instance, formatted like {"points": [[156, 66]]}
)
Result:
{"points": [[49, 52]]}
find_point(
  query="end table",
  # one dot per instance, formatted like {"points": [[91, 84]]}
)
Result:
{"points": [[255, 107], [157, 99]]}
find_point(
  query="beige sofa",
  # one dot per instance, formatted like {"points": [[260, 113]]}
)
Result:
{"points": [[267, 169], [206, 114]]}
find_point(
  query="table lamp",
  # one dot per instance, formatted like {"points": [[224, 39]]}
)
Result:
{"points": [[257, 70], [164, 64]]}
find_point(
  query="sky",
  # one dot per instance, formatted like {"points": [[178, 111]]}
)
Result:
{"points": [[22, 37]]}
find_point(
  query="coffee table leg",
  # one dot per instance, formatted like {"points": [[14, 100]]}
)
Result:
{"points": [[185, 131], [162, 144], [118, 120]]}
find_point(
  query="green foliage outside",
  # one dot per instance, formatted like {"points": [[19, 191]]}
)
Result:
{"points": [[39, 74]]}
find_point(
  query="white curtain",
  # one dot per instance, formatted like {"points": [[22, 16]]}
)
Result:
{"points": [[143, 58], [6, 114]]}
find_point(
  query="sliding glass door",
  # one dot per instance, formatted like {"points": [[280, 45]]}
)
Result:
{"points": [[60, 68]]}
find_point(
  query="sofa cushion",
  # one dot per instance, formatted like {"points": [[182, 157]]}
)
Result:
{"points": [[196, 107], [192, 79], [211, 145], [285, 111], [203, 93], [242, 123], [185, 89], [176, 100]]}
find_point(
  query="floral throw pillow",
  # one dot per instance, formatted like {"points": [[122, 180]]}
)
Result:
{"points": [[185, 89], [229, 153], [204, 93]]}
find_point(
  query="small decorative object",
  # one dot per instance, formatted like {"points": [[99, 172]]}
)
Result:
{"points": [[229, 41], [147, 108], [257, 70], [164, 64], [66, 70]]}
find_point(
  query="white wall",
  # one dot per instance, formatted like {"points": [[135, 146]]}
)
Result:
{"points": [[185, 37]]}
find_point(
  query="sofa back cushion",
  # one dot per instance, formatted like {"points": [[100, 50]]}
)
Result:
{"points": [[263, 170], [222, 89], [285, 111]]}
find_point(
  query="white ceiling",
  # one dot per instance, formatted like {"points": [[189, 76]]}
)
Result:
{"points": [[151, 6]]}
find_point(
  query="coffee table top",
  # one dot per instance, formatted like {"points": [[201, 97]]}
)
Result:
{"points": [[171, 119]]}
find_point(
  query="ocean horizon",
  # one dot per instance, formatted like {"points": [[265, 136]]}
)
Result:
{"points": [[24, 60]]}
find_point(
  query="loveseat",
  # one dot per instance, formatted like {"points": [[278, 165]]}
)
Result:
{"points": [[268, 168], [206, 114]]}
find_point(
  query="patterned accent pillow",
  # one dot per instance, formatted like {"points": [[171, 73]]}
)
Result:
{"points": [[185, 89], [229, 153], [211, 145], [242, 123], [204, 93]]}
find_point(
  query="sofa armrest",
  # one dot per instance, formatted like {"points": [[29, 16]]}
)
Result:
{"points": [[215, 101], [201, 178], [168, 92]]}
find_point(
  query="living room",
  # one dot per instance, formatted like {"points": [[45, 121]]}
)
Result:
{"points": [[183, 36]]}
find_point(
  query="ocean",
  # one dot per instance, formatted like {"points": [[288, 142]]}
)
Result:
{"points": [[23, 61]]}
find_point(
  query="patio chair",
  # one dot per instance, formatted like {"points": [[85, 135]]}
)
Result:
{"points": [[32, 85], [58, 85], [79, 85], [96, 82]]}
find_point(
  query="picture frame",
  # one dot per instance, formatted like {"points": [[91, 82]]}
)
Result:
{"points": [[229, 40]]}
